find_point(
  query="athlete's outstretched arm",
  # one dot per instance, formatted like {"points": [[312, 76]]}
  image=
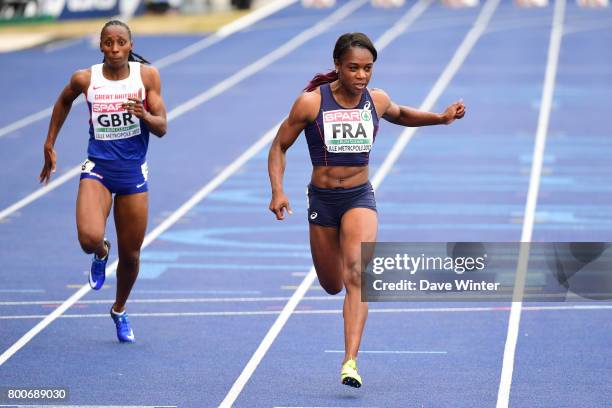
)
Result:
{"points": [[77, 85], [155, 114], [304, 111], [407, 116]]}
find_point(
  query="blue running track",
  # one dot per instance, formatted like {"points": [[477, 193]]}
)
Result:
{"points": [[213, 284]]}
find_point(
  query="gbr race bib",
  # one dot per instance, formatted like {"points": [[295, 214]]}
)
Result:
{"points": [[348, 130], [110, 120]]}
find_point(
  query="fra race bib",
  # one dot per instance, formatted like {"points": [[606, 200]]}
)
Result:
{"points": [[348, 130]]}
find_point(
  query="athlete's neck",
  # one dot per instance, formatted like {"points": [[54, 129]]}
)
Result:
{"points": [[343, 96], [115, 73]]}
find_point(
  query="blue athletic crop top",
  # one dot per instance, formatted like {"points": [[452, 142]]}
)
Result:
{"points": [[341, 136], [115, 134]]}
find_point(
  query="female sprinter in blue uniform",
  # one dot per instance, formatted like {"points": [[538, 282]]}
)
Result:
{"points": [[340, 118], [125, 103]]}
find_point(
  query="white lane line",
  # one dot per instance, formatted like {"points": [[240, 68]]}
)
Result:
{"points": [[198, 292], [28, 120], [318, 28], [172, 300], [325, 311], [457, 59], [60, 45], [22, 291], [211, 92], [241, 299], [390, 352], [153, 314], [228, 29], [505, 383], [402, 24], [55, 183]]}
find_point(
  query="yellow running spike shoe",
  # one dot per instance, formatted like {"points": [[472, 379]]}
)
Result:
{"points": [[349, 374]]}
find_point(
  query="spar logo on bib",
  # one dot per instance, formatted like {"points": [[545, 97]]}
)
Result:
{"points": [[348, 130]]}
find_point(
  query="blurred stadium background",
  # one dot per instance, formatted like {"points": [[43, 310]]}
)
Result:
{"points": [[27, 23]]}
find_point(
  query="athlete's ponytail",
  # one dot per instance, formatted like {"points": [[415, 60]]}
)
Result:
{"points": [[321, 79], [132, 56], [135, 57], [344, 42]]}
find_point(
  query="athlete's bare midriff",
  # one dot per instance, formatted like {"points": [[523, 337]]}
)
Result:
{"points": [[339, 176]]}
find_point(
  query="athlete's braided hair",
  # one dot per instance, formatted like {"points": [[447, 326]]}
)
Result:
{"points": [[133, 56], [344, 42]]}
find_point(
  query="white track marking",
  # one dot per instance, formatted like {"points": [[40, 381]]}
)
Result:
{"points": [[503, 395]]}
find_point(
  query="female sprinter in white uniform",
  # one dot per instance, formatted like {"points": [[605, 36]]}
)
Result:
{"points": [[125, 104]]}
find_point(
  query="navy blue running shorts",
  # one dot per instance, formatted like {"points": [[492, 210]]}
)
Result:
{"points": [[118, 176], [326, 206]]}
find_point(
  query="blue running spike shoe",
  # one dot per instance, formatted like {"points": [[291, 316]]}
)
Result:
{"points": [[124, 331], [97, 273]]}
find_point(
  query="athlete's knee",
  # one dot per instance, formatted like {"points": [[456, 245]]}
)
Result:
{"points": [[352, 273], [130, 259], [332, 289], [331, 286], [90, 242]]}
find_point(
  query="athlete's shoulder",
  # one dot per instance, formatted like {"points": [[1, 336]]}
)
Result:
{"points": [[307, 105], [150, 76], [149, 72], [146, 69], [80, 79], [377, 93], [309, 97], [381, 100]]}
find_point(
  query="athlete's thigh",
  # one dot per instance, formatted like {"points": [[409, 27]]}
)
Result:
{"points": [[357, 225], [131, 214], [94, 202], [326, 256]]}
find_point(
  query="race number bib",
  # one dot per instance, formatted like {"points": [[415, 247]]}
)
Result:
{"points": [[110, 120], [348, 130]]}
